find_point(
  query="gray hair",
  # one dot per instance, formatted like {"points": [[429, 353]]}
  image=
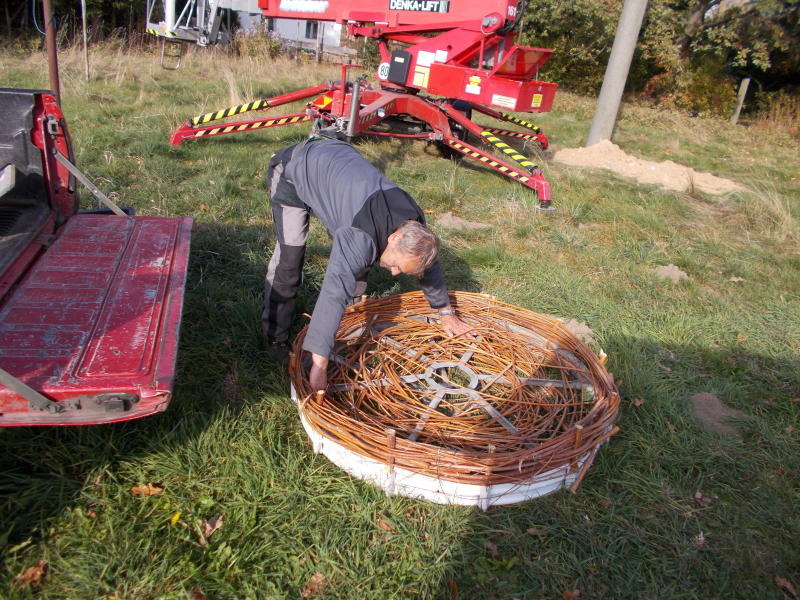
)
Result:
{"points": [[417, 240]]}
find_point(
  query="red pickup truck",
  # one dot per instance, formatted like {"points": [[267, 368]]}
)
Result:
{"points": [[90, 303]]}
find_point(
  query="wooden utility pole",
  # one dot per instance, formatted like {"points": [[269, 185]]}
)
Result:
{"points": [[85, 42], [52, 50], [619, 63], [740, 99]]}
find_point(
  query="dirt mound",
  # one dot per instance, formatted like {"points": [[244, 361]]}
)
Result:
{"points": [[671, 272], [666, 174], [714, 414], [451, 221]]}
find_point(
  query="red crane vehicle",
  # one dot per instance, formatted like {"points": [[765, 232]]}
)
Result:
{"points": [[440, 61], [90, 301]]}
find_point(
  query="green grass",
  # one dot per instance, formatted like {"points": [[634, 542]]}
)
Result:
{"points": [[231, 444]]}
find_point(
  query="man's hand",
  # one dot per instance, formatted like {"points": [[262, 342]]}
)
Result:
{"points": [[453, 326], [318, 374]]}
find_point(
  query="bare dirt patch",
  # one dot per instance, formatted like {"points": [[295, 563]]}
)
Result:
{"points": [[671, 272], [714, 414], [666, 174], [451, 221]]}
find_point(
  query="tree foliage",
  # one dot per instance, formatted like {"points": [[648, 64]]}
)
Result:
{"points": [[690, 52]]}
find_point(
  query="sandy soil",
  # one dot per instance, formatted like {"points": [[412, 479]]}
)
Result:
{"points": [[667, 174], [714, 414]]}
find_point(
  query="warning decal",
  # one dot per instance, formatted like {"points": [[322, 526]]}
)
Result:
{"points": [[421, 75], [474, 85]]}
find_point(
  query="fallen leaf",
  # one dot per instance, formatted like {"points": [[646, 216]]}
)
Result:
{"points": [[570, 594], [786, 585], [203, 206], [736, 279], [699, 541], [385, 525], [195, 594], [91, 514], [209, 527], [453, 589], [536, 532], [175, 518], [741, 337], [32, 575], [314, 586], [491, 547], [638, 402], [148, 489]]}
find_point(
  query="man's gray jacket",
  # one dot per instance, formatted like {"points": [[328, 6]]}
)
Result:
{"points": [[360, 208]]}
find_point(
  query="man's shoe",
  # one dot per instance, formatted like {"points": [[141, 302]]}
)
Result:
{"points": [[277, 351]]}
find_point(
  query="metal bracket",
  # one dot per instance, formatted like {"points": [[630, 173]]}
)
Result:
{"points": [[85, 180], [36, 400]]}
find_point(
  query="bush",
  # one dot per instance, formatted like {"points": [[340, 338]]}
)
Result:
{"points": [[258, 45], [706, 90], [778, 110]]}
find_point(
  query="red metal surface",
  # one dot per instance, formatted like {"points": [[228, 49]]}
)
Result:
{"points": [[25, 259], [61, 185], [98, 313]]}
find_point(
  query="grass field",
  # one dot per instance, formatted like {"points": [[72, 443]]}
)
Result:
{"points": [[669, 510]]}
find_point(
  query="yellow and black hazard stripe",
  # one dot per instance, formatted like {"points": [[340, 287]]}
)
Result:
{"points": [[512, 153], [222, 129], [229, 112], [161, 33], [522, 122], [515, 134], [522, 178]]}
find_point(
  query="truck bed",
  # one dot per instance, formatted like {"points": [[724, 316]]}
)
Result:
{"points": [[94, 326]]}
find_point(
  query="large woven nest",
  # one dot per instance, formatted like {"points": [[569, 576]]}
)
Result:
{"points": [[519, 398]]}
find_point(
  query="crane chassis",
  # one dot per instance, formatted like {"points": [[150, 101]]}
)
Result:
{"points": [[441, 61]]}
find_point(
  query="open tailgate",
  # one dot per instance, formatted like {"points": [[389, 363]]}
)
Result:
{"points": [[94, 325]]}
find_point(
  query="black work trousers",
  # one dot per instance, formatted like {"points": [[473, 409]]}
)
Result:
{"points": [[284, 273]]}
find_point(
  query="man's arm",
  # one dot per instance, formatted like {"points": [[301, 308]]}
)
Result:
{"points": [[351, 254]]}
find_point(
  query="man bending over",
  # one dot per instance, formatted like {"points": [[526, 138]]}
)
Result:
{"points": [[368, 218]]}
